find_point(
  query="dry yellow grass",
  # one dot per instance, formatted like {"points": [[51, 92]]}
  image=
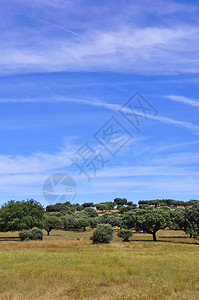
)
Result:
{"points": [[66, 265]]}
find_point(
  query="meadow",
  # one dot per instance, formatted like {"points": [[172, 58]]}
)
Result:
{"points": [[66, 265]]}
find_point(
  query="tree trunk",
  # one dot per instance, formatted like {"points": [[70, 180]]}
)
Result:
{"points": [[48, 232], [154, 237]]}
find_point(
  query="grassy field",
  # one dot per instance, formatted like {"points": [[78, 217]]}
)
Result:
{"points": [[66, 265]]}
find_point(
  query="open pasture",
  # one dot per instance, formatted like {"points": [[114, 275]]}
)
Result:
{"points": [[66, 265]]}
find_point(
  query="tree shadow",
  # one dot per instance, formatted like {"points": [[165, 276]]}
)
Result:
{"points": [[175, 237], [160, 241], [10, 238]]}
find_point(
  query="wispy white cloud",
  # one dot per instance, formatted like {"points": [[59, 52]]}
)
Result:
{"points": [[114, 107], [185, 100], [178, 158], [145, 186], [170, 173], [162, 178], [42, 36], [126, 50], [174, 146], [38, 162], [56, 26]]}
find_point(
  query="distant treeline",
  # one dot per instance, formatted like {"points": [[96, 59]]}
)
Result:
{"points": [[122, 204], [168, 202], [149, 217]]}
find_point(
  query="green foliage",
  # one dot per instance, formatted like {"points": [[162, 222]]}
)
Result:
{"points": [[19, 215], [75, 223], [145, 206], [192, 220], [120, 201], [122, 209], [79, 207], [113, 219], [128, 220], [37, 233], [31, 234], [90, 212], [102, 206], [147, 220], [67, 221], [125, 234], [25, 235], [187, 219], [84, 222], [94, 222], [169, 202], [110, 205], [66, 207], [87, 204], [52, 222], [102, 234], [178, 219], [131, 206]]}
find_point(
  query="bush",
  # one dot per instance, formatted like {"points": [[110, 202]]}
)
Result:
{"points": [[37, 233], [90, 212], [125, 234], [94, 222], [31, 234], [102, 234], [25, 235]]}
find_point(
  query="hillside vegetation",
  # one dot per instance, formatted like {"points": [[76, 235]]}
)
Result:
{"points": [[67, 264]]}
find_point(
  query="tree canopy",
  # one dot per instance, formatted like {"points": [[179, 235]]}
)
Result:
{"points": [[19, 215]]}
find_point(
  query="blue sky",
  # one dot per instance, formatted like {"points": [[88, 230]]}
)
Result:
{"points": [[67, 68]]}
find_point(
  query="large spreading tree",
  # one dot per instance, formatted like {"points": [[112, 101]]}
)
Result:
{"points": [[147, 220], [19, 215]]}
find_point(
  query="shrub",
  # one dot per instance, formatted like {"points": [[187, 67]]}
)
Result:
{"points": [[94, 222], [125, 234], [102, 234], [90, 212], [25, 235], [37, 233], [31, 234]]}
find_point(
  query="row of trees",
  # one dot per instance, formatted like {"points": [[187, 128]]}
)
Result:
{"points": [[24, 215], [168, 202], [103, 206], [121, 204]]}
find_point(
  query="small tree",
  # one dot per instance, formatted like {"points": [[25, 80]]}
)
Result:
{"points": [[65, 221], [84, 222], [122, 209], [79, 207], [52, 222], [102, 234], [125, 234], [93, 222], [110, 205], [147, 220], [112, 219], [76, 224], [102, 206], [150, 221], [120, 201], [87, 204], [187, 220], [90, 212], [192, 219]]}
